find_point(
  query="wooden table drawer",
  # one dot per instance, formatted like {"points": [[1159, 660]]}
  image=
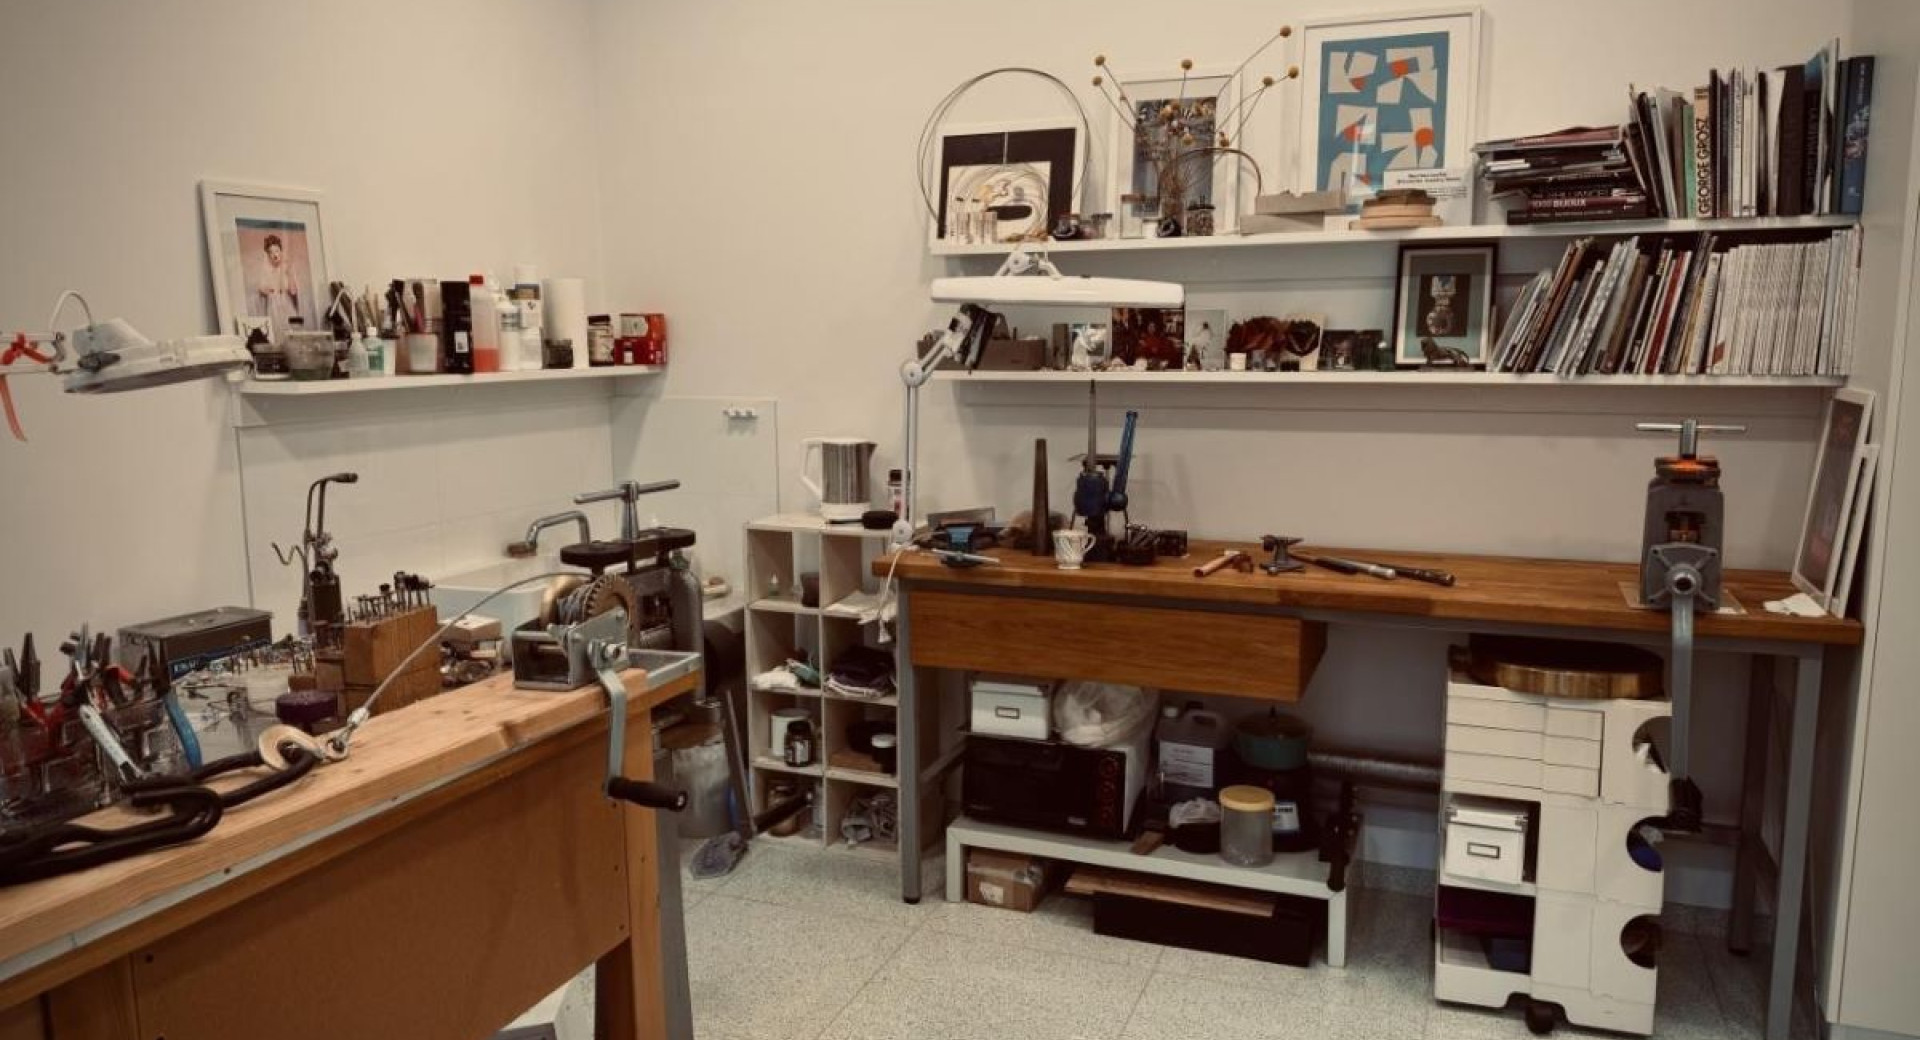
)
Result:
{"points": [[1247, 655]]}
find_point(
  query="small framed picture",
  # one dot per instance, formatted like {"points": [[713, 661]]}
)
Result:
{"points": [[1444, 305], [1150, 160], [1339, 351], [1025, 174], [267, 253], [1152, 334], [1207, 340], [1831, 499]]}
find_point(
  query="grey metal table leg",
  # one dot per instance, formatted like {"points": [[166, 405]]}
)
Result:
{"points": [[1761, 672], [675, 988], [1793, 846], [909, 765]]}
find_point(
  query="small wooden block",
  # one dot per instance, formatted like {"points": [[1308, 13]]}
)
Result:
{"points": [[1095, 880]]}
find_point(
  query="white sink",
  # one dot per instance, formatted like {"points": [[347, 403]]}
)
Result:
{"points": [[458, 592]]}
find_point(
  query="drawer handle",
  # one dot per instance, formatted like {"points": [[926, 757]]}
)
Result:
{"points": [[1006, 713], [1482, 850]]}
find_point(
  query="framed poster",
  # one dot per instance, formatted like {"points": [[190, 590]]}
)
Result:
{"points": [[1444, 299], [267, 254], [1388, 92], [1153, 146], [1831, 497], [1026, 173]]}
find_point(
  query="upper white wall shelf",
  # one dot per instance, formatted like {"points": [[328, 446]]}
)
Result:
{"points": [[1409, 377], [293, 388], [1464, 232]]}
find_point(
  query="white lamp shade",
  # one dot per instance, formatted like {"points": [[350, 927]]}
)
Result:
{"points": [[1041, 290]]}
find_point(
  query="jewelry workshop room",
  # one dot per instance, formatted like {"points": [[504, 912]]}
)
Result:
{"points": [[844, 520]]}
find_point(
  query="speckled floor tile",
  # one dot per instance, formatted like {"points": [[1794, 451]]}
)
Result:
{"points": [[829, 881], [765, 972], [1180, 1006], [1062, 924], [956, 987]]}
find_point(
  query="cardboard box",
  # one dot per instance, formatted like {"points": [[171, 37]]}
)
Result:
{"points": [[1009, 880]]}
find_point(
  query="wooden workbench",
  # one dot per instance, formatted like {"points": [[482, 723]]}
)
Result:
{"points": [[458, 867], [1261, 636]]}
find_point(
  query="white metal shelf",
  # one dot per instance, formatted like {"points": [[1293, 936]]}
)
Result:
{"points": [[1292, 873], [298, 388], [1411, 377], [1456, 233]]}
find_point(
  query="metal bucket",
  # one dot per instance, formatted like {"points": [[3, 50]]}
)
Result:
{"points": [[699, 767]]}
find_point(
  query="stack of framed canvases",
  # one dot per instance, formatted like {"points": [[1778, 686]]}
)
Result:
{"points": [[1836, 516]]}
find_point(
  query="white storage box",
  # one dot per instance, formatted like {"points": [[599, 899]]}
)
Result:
{"points": [[1486, 839], [1009, 707]]}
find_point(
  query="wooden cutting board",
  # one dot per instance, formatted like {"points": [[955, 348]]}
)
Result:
{"points": [[1566, 668]]}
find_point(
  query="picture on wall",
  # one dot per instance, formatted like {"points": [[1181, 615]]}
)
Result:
{"points": [[267, 254], [1151, 334], [1150, 161], [1026, 173], [1444, 304], [1831, 497], [1389, 93]]}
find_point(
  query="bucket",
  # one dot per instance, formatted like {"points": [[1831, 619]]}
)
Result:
{"points": [[699, 765]]}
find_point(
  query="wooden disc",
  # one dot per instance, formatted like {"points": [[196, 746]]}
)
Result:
{"points": [[1566, 668]]}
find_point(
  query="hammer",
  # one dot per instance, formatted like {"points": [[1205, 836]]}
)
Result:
{"points": [[1234, 558]]}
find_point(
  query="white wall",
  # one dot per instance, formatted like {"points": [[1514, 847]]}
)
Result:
{"points": [[129, 508], [798, 185]]}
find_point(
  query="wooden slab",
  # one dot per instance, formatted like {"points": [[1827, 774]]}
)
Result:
{"points": [[1517, 590], [445, 930], [395, 757], [1566, 668], [1095, 880], [1248, 655]]}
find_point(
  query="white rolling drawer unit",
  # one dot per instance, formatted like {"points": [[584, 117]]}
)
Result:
{"points": [[1581, 772]]}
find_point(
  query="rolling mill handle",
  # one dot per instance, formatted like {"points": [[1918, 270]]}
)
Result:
{"points": [[627, 492], [646, 794]]}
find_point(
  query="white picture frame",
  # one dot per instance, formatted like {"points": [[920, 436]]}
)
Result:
{"points": [[1467, 273], [1075, 174], [1856, 530], [1822, 549], [244, 224], [1121, 143], [1459, 84]]}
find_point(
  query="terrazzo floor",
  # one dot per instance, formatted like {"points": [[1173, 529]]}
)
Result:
{"points": [[808, 944]]}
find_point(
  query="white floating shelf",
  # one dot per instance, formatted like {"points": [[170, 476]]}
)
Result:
{"points": [[1411, 377], [1458, 233], [296, 388]]}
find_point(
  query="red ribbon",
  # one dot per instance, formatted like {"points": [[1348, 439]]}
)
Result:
{"points": [[22, 347]]}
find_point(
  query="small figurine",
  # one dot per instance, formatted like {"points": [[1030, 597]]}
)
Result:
{"points": [[1442, 357]]}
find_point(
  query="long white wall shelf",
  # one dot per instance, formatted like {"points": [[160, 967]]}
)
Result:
{"points": [[295, 388], [1458, 233], [1408, 378]]}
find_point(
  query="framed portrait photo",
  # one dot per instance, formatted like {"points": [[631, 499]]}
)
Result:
{"points": [[1391, 92], [1147, 161], [1832, 497], [267, 253], [1026, 173], [1444, 300]]}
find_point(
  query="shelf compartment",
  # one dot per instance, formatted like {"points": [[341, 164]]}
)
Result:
{"points": [[861, 776]]}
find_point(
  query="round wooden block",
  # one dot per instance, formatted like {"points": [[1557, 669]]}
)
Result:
{"points": [[1566, 668]]}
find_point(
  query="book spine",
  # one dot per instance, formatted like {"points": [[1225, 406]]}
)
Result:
{"points": [[1703, 152], [1794, 166], [1851, 155]]}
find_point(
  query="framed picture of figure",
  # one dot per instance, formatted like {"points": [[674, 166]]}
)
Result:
{"points": [[1444, 303]]}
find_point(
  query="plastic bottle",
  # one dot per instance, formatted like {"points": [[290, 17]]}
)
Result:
{"points": [[359, 363], [485, 316], [508, 320], [526, 296], [1191, 745], [376, 350]]}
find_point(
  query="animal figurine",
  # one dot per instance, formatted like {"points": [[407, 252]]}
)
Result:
{"points": [[1442, 357]]}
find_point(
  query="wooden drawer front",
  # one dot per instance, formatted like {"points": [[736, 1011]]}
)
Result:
{"points": [[1246, 655], [1468, 711], [1507, 743]]}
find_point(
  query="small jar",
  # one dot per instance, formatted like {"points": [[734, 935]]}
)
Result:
{"points": [[1246, 825], [1199, 220], [1097, 226], [600, 340], [1137, 214], [310, 355]]}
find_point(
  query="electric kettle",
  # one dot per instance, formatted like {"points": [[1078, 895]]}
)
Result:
{"points": [[844, 484]]}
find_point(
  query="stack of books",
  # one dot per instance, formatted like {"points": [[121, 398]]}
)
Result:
{"points": [[1580, 173], [1783, 142], [1689, 305]]}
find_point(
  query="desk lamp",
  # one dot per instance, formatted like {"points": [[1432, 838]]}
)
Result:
{"points": [[110, 356], [1024, 279]]}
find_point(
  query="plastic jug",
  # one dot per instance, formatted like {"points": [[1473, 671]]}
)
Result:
{"points": [[1192, 745]]}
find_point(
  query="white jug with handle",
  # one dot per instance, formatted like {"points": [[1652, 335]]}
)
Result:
{"points": [[845, 483]]}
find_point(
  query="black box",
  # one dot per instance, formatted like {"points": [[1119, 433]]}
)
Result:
{"points": [[1285, 938]]}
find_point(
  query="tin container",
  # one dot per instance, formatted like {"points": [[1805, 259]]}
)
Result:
{"points": [[600, 340]]}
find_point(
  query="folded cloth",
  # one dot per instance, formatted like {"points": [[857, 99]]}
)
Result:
{"points": [[864, 672]]}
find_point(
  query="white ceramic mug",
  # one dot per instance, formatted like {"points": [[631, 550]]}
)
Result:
{"points": [[1070, 547]]}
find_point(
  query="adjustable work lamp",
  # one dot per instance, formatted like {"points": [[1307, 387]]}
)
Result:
{"points": [[1023, 280], [110, 356]]}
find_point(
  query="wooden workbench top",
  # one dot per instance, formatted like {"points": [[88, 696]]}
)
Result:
{"points": [[1571, 593], [394, 757]]}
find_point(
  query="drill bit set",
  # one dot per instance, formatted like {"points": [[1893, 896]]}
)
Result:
{"points": [[405, 593]]}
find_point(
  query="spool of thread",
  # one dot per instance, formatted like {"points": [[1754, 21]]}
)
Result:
{"points": [[565, 303]]}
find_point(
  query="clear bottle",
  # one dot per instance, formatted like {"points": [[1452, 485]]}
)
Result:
{"points": [[376, 350], [359, 362]]}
